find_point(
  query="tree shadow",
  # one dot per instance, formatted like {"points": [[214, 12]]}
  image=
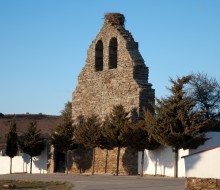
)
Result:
{"points": [[191, 161], [130, 161], [162, 158], [69, 160], [106, 160], [26, 158], [82, 157], [40, 163]]}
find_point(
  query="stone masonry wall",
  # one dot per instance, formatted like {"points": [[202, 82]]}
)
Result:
{"points": [[98, 91], [202, 184], [105, 161], [100, 88]]}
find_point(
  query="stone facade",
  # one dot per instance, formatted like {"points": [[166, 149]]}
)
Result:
{"points": [[105, 161], [114, 73]]}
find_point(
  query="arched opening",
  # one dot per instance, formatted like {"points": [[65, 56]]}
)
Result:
{"points": [[99, 56], [113, 48]]}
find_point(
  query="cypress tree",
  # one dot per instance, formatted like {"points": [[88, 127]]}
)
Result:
{"points": [[12, 142], [88, 133], [62, 137], [31, 142], [113, 129]]}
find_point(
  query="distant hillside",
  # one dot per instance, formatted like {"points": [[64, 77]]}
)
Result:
{"points": [[46, 123], [28, 116]]}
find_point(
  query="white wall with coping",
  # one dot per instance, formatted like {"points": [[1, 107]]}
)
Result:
{"points": [[21, 164], [161, 162], [203, 164]]}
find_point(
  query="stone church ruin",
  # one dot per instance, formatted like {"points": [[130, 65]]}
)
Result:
{"points": [[114, 73]]}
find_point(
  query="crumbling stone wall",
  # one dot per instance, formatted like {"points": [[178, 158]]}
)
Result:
{"points": [[114, 73], [101, 84]]}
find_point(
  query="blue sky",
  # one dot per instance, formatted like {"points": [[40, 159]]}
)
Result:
{"points": [[44, 43]]}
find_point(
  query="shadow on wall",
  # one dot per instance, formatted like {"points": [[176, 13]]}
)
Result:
{"points": [[162, 158], [39, 162], [26, 158], [191, 161], [130, 161], [82, 157]]}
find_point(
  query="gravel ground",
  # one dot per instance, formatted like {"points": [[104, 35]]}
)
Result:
{"points": [[106, 182]]}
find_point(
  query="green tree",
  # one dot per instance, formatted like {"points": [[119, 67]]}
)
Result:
{"points": [[206, 93], [88, 133], [176, 123], [12, 142], [106, 142], [113, 128], [62, 137], [136, 137], [66, 113], [32, 143]]}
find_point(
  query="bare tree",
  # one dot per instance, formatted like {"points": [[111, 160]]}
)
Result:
{"points": [[206, 93]]}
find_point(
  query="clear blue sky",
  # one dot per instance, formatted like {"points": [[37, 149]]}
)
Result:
{"points": [[43, 45]]}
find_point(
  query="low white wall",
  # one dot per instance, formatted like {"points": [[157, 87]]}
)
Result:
{"points": [[21, 164], [161, 162], [203, 164]]}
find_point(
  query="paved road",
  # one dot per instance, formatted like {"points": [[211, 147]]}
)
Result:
{"points": [[106, 182]]}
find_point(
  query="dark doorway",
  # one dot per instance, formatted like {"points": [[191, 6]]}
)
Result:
{"points": [[59, 162]]}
